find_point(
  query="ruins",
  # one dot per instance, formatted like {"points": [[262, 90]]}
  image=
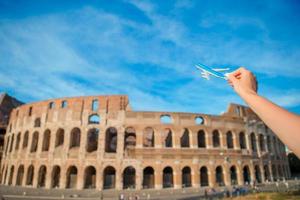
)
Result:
{"points": [[99, 142]]}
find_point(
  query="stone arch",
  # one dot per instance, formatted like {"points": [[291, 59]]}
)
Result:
{"points": [[257, 174], [269, 145], [75, 138], [94, 119], [186, 177], [37, 122], [30, 175], [233, 175], [71, 177], [219, 176], [246, 175], [42, 176], [18, 141], [148, 178], [5, 175], [253, 142], [20, 175], [130, 138], [229, 140], [92, 140], [25, 140], [167, 138], [60, 136], [55, 177], [129, 177], [242, 140], [201, 139], [111, 140], [204, 181], [216, 138], [90, 177], [109, 178], [46, 140], [185, 138], [168, 177], [267, 173], [11, 143], [148, 137], [262, 142], [11, 175], [34, 142]]}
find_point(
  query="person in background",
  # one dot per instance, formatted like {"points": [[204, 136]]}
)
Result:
{"points": [[284, 124]]}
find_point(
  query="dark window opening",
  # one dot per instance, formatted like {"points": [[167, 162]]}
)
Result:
{"points": [[185, 140], [111, 137], [92, 140]]}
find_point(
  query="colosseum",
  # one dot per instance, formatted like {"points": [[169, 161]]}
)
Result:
{"points": [[99, 142]]}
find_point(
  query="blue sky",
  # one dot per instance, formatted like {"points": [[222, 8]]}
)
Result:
{"points": [[147, 50]]}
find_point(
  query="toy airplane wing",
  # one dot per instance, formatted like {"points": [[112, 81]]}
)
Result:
{"points": [[208, 71]]}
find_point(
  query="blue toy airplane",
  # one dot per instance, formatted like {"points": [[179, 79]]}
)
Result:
{"points": [[207, 71]]}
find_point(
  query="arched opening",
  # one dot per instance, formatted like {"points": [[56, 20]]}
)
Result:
{"points": [[186, 177], [229, 140], [203, 177], [219, 176], [233, 175], [148, 137], [18, 141], [34, 143], [25, 140], [12, 143], [165, 119], [269, 143], [253, 142], [267, 173], [72, 177], [37, 122], [90, 177], [167, 138], [199, 120], [185, 140], [95, 105], [64, 104], [201, 139], [59, 137], [111, 138], [75, 138], [46, 140], [12, 169], [280, 171], [148, 178], [94, 119], [216, 138], [246, 175], [257, 174], [242, 139], [5, 175], [92, 140], [42, 176], [20, 175], [261, 142], [109, 178], [167, 177], [30, 173], [274, 172], [51, 105], [130, 138], [55, 177], [129, 177]]}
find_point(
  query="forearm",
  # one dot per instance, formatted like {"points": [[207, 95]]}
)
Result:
{"points": [[284, 124]]}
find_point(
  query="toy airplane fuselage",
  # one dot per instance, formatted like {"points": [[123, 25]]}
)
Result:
{"points": [[207, 71]]}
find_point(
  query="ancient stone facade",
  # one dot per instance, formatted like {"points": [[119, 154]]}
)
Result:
{"points": [[99, 142], [7, 103]]}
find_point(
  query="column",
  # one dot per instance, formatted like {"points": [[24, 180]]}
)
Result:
{"points": [[48, 177], [158, 177], [195, 176], [177, 176], [226, 175], [211, 176]]}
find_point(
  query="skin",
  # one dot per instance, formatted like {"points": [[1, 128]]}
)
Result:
{"points": [[284, 124]]}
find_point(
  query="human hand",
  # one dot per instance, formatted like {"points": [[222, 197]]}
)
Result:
{"points": [[243, 82]]}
